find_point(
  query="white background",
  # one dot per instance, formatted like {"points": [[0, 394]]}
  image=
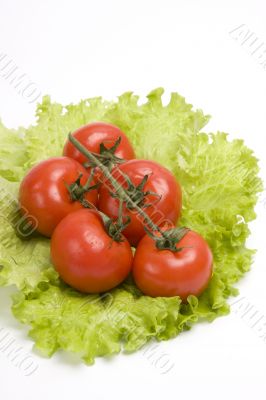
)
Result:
{"points": [[77, 49]]}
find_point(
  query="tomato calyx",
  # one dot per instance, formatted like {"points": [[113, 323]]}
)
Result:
{"points": [[137, 193], [107, 156], [169, 239], [77, 191], [115, 228]]}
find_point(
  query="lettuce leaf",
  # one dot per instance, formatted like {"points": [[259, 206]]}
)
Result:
{"points": [[220, 186], [93, 325], [24, 262], [12, 153]]}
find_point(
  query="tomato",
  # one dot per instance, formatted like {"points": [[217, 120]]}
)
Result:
{"points": [[86, 257], [92, 135], [164, 208], [43, 193], [166, 273]]}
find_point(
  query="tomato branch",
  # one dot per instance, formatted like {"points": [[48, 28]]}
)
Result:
{"points": [[118, 188], [168, 238]]}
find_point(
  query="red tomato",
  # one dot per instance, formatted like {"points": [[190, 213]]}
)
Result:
{"points": [[43, 193], [92, 135], [164, 209], [86, 257], [166, 273]]}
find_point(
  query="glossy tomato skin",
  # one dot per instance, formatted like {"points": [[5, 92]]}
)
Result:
{"points": [[165, 210], [92, 135], [43, 193], [86, 257], [166, 273]]}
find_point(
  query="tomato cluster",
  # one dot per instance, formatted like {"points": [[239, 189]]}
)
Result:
{"points": [[98, 201]]}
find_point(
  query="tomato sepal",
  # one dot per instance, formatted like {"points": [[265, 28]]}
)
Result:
{"points": [[136, 193], [169, 238], [77, 191], [107, 156]]}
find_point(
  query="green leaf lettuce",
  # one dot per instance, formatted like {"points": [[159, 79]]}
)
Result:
{"points": [[220, 186]]}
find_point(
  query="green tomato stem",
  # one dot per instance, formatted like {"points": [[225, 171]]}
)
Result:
{"points": [[118, 188]]}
